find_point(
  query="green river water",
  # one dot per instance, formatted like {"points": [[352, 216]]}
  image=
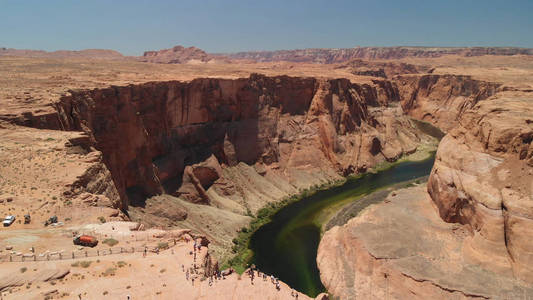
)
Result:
{"points": [[287, 246]]}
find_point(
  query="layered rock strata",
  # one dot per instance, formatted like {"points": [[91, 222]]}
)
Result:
{"points": [[482, 178], [402, 249], [178, 137], [441, 99], [470, 237], [329, 56], [382, 69]]}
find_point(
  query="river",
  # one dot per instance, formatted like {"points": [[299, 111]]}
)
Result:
{"points": [[287, 246]]}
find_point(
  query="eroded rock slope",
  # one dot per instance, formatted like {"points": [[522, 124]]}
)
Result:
{"points": [[179, 137], [482, 178], [442, 99], [402, 249], [473, 230]]}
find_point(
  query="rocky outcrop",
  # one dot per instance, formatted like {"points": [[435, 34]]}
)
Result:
{"points": [[475, 241], [44, 118], [382, 69], [176, 137], [198, 178], [329, 56], [176, 55], [441, 99], [402, 249], [482, 178], [46, 274]]}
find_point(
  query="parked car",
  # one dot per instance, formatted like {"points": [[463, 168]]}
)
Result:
{"points": [[85, 240], [9, 220], [51, 220]]}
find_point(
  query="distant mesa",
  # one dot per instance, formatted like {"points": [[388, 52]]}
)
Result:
{"points": [[177, 55], [87, 53], [330, 56], [348, 56]]}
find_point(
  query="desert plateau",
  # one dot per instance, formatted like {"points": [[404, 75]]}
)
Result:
{"points": [[393, 172]]}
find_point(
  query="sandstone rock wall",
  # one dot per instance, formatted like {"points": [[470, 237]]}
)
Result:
{"points": [[176, 137], [402, 249], [44, 119], [482, 178], [477, 240], [441, 99]]}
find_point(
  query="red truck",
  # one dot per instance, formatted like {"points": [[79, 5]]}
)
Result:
{"points": [[85, 240]]}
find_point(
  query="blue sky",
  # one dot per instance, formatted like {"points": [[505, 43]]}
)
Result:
{"points": [[229, 26]]}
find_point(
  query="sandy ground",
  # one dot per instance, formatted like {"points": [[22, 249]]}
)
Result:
{"points": [[513, 71], [156, 276], [37, 168]]}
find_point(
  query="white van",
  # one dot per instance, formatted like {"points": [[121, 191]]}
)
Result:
{"points": [[9, 220]]}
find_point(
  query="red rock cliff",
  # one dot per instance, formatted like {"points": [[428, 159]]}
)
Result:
{"points": [[475, 241], [482, 173], [179, 136], [441, 99], [482, 178]]}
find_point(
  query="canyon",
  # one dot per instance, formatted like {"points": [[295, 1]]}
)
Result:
{"points": [[235, 145], [478, 207], [207, 146]]}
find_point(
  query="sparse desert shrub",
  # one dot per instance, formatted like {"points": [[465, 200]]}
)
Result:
{"points": [[101, 219], [85, 263], [82, 264], [162, 270], [109, 272], [23, 269], [121, 264], [110, 242], [162, 245]]}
